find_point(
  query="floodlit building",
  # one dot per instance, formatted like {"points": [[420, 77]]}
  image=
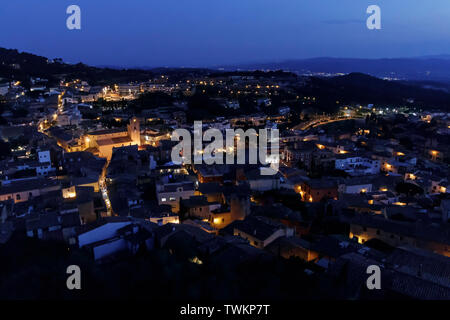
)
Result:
{"points": [[102, 142]]}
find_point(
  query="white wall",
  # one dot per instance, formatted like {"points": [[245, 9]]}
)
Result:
{"points": [[109, 248], [44, 156], [101, 233]]}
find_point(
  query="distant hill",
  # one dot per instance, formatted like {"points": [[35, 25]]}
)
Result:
{"points": [[364, 89], [355, 87], [436, 68], [20, 65]]}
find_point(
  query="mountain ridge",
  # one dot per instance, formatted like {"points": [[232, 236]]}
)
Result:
{"points": [[436, 68]]}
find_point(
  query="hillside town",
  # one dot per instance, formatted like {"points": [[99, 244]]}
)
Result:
{"points": [[360, 184]]}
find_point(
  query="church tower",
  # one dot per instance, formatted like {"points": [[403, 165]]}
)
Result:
{"points": [[134, 131]]}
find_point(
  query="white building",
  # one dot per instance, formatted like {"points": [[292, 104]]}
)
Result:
{"points": [[111, 238], [358, 165], [44, 156], [44, 168]]}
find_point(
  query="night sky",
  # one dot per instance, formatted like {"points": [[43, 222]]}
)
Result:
{"points": [[213, 32]]}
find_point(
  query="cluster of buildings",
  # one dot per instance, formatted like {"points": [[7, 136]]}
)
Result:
{"points": [[376, 192]]}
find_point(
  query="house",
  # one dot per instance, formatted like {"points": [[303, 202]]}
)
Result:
{"points": [[199, 207], [228, 253], [232, 206], [259, 231], [315, 190], [70, 116], [66, 139], [94, 94], [324, 250], [172, 193], [204, 225], [126, 89], [302, 152], [280, 213], [21, 191], [52, 225], [356, 165], [399, 233], [24, 169], [37, 225], [85, 203], [354, 185], [124, 197], [288, 247], [162, 218], [83, 170], [117, 235], [207, 174], [189, 233], [439, 185], [221, 217]]}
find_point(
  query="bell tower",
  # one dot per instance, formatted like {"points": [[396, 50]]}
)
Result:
{"points": [[134, 130]]}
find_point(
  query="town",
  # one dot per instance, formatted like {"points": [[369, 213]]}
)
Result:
{"points": [[86, 166]]}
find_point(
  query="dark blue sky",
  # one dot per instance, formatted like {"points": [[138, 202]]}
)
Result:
{"points": [[212, 32]]}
